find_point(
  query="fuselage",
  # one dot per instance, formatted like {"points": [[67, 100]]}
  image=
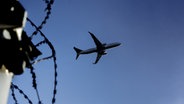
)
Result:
{"points": [[99, 49], [102, 49]]}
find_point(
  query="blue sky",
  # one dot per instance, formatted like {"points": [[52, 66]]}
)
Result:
{"points": [[146, 69]]}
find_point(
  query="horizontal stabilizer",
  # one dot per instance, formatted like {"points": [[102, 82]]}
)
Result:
{"points": [[77, 50]]}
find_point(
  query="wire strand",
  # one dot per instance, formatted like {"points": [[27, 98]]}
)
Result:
{"points": [[48, 13]]}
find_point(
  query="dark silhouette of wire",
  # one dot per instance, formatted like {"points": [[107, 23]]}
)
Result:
{"points": [[13, 86], [35, 84], [38, 28], [48, 13], [53, 56]]}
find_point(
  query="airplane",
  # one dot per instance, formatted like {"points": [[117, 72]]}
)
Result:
{"points": [[99, 49]]}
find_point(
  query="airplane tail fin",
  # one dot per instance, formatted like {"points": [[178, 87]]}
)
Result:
{"points": [[77, 51]]}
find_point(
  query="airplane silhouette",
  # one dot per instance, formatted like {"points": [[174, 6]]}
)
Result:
{"points": [[100, 48]]}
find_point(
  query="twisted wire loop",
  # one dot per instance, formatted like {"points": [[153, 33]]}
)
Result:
{"points": [[13, 86], [53, 56], [34, 83], [48, 13]]}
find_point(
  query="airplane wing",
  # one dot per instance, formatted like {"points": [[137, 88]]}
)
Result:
{"points": [[97, 58], [97, 42]]}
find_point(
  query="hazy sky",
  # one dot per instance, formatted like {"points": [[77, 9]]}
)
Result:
{"points": [[148, 68]]}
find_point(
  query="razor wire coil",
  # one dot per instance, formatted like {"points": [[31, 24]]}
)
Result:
{"points": [[46, 41]]}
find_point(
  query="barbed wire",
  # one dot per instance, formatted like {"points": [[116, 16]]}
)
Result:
{"points": [[52, 56], [35, 84], [48, 13], [13, 86]]}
